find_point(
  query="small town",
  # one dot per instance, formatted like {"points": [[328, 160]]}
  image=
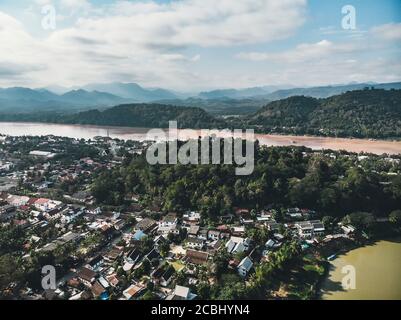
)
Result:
{"points": [[49, 216]]}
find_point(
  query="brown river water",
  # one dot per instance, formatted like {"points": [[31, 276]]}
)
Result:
{"points": [[377, 273], [140, 134]]}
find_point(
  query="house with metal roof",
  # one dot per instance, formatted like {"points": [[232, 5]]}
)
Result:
{"points": [[244, 267]]}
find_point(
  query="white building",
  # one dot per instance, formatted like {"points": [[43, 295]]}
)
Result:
{"points": [[43, 154], [310, 229], [238, 245], [244, 267], [181, 293], [192, 217], [168, 224], [195, 243], [17, 201], [70, 214], [46, 204]]}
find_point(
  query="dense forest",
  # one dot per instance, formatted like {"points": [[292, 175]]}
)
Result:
{"points": [[143, 115], [222, 106], [369, 113], [128, 115], [333, 183]]}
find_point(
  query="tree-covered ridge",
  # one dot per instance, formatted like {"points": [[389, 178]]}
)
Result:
{"points": [[145, 115], [128, 115], [293, 111], [332, 183], [369, 113]]}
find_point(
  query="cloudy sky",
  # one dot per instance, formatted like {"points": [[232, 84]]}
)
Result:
{"points": [[198, 44]]}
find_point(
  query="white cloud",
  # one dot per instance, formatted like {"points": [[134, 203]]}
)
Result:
{"points": [[304, 52], [160, 44], [42, 2], [144, 39], [74, 3], [390, 31], [199, 22], [329, 62]]}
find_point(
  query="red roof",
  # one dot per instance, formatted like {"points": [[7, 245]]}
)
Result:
{"points": [[42, 201], [31, 201]]}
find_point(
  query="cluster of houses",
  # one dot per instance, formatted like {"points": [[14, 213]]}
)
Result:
{"points": [[47, 169], [37, 210], [102, 273], [140, 246], [176, 244]]}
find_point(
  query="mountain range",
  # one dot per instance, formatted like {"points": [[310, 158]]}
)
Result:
{"points": [[362, 113], [19, 99], [239, 93], [132, 91], [328, 91], [367, 113], [218, 102]]}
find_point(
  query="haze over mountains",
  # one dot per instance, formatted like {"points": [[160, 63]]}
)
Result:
{"points": [[100, 96], [132, 91], [328, 91], [239, 93], [19, 99]]}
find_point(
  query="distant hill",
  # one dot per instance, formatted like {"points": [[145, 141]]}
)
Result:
{"points": [[129, 115], [19, 93], [328, 91], [131, 91], [373, 113], [369, 113], [238, 93], [224, 102], [221, 106], [94, 98], [272, 93], [29, 100]]}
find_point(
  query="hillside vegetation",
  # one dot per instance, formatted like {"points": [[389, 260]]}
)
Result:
{"points": [[369, 113], [145, 115]]}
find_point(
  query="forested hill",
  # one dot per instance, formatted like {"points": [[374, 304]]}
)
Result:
{"points": [[369, 113], [137, 115]]}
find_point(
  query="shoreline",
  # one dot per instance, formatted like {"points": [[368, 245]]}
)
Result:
{"points": [[87, 131], [257, 132], [343, 251], [327, 264]]}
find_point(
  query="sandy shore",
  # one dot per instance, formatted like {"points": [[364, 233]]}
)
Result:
{"points": [[352, 145]]}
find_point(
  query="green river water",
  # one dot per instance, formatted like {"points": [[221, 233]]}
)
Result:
{"points": [[377, 273]]}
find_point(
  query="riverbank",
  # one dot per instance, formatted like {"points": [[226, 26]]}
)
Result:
{"points": [[335, 248], [377, 147], [374, 261]]}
